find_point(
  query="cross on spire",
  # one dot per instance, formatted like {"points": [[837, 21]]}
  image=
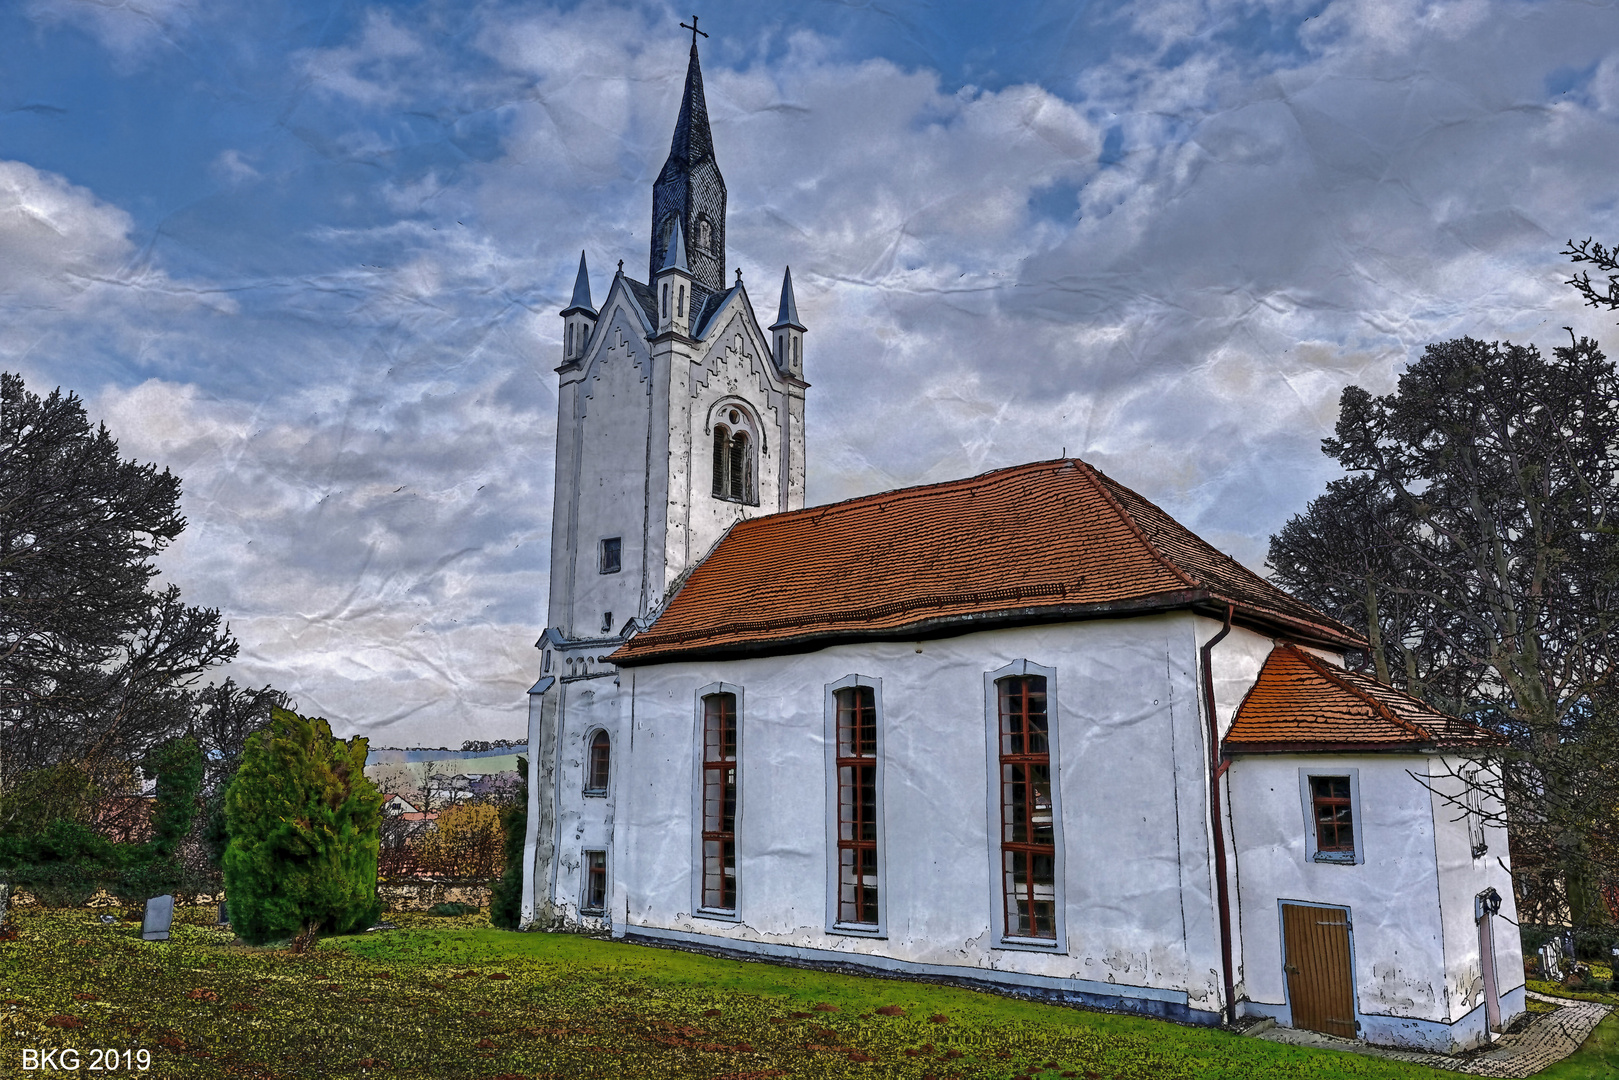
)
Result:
{"points": [[694, 31]]}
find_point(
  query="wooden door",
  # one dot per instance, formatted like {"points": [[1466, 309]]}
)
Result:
{"points": [[1320, 982]]}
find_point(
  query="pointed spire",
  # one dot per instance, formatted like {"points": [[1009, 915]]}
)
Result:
{"points": [[581, 291], [676, 259], [788, 314], [691, 189], [693, 142]]}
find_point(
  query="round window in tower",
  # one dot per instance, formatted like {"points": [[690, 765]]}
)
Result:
{"points": [[734, 416]]}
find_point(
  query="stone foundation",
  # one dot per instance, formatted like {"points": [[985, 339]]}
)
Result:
{"points": [[421, 895]]}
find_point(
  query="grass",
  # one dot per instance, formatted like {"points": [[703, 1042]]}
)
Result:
{"points": [[452, 998]]}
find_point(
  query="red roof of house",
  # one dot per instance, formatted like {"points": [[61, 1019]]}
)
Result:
{"points": [[1041, 542], [1301, 702]]}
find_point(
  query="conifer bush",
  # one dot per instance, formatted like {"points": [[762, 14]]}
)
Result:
{"points": [[303, 824], [506, 899]]}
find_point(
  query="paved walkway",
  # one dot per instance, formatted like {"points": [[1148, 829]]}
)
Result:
{"points": [[1549, 1038]]}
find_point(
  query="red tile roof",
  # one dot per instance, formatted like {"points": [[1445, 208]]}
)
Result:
{"points": [[1301, 702], [1035, 543]]}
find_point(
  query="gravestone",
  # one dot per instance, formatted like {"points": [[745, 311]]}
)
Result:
{"points": [[159, 914], [1551, 961]]}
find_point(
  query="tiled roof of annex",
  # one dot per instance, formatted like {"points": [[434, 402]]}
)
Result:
{"points": [[1301, 702], [1039, 542]]}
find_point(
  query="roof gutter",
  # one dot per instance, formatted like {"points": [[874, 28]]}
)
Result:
{"points": [[1201, 601], [1217, 768]]}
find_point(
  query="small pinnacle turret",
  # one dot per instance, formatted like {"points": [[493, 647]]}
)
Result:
{"points": [[579, 317], [676, 258], [787, 314], [581, 291], [788, 331]]}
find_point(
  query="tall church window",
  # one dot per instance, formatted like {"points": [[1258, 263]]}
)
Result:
{"points": [[1028, 834], [705, 233], [719, 802], [857, 805], [680, 307], [570, 339], [598, 764], [666, 300]]}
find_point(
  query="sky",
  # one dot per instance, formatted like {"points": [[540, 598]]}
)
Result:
{"points": [[310, 255]]}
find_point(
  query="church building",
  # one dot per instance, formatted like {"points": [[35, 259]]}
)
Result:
{"points": [[1022, 730]]}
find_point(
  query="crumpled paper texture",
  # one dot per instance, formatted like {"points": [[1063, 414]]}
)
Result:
{"points": [[310, 257]]}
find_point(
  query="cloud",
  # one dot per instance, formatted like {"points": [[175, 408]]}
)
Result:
{"points": [[130, 29], [1169, 261]]}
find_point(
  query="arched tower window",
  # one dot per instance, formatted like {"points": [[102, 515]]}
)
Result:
{"points": [[734, 461], [737, 473], [722, 443], [598, 764]]}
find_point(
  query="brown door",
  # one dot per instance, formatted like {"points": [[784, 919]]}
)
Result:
{"points": [[1320, 984]]}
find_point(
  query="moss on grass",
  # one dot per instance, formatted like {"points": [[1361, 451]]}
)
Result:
{"points": [[451, 999]]}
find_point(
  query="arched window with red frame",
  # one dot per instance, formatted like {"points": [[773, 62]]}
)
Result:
{"points": [[598, 764]]}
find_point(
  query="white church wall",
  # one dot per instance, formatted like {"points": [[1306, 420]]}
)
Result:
{"points": [[1397, 935], [1137, 905], [1235, 664], [613, 410], [585, 822], [1462, 877]]}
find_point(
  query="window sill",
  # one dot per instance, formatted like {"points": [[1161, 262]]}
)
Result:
{"points": [[865, 930], [716, 914], [592, 913], [595, 793], [1342, 858], [1046, 945]]}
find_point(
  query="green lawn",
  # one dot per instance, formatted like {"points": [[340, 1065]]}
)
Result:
{"points": [[452, 998]]}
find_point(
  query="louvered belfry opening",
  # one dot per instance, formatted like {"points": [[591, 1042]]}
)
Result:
{"points": [[1028, 838], [733, 467], [719, 802], [857, 805]]}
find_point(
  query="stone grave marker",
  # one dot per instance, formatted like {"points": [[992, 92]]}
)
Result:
{"points": [[159, 914]]}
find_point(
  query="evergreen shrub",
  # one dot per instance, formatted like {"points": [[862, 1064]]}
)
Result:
{"points": [[506, 898], [303, 824]]}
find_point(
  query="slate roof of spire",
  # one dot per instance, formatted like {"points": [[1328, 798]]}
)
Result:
{"points": [[1044, 542], [581, 291], [693, 142], [787, 314], [1301, 702]]}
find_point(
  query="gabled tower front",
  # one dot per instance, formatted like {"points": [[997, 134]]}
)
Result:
{"points": [[678, 415]]}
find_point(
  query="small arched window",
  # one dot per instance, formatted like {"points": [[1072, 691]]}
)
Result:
{"points": [[598, 764]]}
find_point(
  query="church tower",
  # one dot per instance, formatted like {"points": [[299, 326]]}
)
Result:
{"points": [[678, 415]]}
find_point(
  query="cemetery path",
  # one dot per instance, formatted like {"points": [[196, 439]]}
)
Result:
{"points": [[1548, 1039]]}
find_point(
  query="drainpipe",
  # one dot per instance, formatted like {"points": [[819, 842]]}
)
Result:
{"points": [[1217, 768]]}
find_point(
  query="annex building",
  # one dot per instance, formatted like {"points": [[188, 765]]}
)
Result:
{"points": [[1021, 730]]}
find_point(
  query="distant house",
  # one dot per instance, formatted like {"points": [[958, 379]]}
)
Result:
{"points": [[394, 805]]}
